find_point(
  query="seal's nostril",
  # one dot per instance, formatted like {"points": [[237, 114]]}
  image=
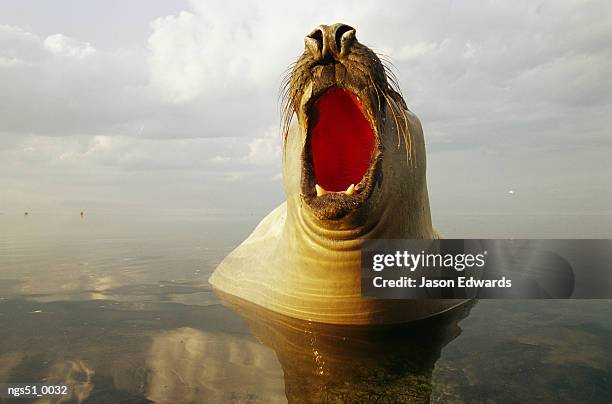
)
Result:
{"points": [[344, 34], [317, 34], [314, 43]]}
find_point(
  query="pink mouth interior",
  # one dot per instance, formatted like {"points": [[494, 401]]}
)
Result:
{"points": [[341, 140]]}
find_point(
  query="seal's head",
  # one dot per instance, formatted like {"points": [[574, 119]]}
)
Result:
{"points": [[355, 128]]}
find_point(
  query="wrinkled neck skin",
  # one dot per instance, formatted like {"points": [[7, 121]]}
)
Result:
{"points": [[397, 208]]}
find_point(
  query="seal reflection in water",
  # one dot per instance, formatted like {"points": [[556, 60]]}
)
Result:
{"points": [[353, 169], [329, 363]]}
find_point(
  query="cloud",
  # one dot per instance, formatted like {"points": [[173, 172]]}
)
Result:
{"points": [[78, 153], [470, 77], [61, 86], [62, 45], [214, 70], [412, 52], [265, 150], [18, 44], [216, 48], [198, 101], [12, 62], [179, 67]]}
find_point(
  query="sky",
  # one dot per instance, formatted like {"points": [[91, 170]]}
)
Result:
{"points": [[164, 106]]}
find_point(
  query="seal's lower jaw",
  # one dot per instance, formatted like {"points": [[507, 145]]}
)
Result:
{"points": [[341, 155]]}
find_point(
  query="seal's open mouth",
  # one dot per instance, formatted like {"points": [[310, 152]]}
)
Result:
{"points": [[339, 160], [341, 142]]}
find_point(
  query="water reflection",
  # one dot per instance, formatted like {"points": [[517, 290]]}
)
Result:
{"points": [[329, 363], [109, 352], [171, 353], [122, 312], [187, 365]]}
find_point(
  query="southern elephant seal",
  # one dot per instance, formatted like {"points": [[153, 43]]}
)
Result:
{"points": [[353, 169]]}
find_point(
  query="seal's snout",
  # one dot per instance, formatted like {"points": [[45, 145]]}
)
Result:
{"points": [[327, 43]]}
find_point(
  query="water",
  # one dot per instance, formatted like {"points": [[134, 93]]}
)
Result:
{"points": [[119, 309]]}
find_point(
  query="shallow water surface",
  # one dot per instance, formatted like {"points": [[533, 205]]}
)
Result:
{"points": [[119, 309]]}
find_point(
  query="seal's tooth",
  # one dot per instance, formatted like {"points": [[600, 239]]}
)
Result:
{"points": [[350, 190], [320, 190]]}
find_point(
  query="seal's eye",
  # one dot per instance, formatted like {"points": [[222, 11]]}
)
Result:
{"points": [[341, 140]]}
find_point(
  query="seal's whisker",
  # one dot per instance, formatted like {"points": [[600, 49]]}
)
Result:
{"points": [[288, 74], [365, 69], [399, 104], [286, 96], [404, 111], [395, 107], [377, 91], [386, 59], [286, 122], [286, 113], [405, 130], [393, 113], [283, 94], [285, 100], [392, 80]]}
